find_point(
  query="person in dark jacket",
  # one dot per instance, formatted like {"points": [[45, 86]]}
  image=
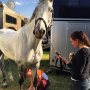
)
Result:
{"points": [[80, 62]]}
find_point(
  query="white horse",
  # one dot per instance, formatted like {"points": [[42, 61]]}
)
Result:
{"points": [[25, 45]]}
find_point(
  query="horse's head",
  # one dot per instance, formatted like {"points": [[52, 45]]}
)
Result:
{"points": [[43, 17]]}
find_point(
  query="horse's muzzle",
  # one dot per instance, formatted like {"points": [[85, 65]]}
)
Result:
{"points": [[39, 33]]}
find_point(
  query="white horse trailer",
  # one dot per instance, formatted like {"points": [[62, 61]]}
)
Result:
{"points": [[68, 17]]}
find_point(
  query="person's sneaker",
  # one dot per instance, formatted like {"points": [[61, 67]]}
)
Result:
{"points": [[4, 84]]}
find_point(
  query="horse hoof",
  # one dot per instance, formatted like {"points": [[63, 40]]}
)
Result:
{"points": [[4, 84]]}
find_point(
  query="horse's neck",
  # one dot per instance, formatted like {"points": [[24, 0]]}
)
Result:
{"points": [[38, 44], [28, 30], [32, 36]]}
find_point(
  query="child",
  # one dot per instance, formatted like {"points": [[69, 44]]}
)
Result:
{"points": [[42, 80]]}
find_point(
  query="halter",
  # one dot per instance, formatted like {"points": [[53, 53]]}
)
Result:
{"points": [[43, 22]]}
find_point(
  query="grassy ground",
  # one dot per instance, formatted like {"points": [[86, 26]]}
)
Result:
{"points": [[58, 81]]}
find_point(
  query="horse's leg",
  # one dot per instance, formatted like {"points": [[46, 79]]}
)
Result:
{"points": [[3, 70], [10, 70], [37, 58], [22, 75], [34, 70]]}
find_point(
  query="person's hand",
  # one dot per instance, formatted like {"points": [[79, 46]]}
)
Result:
{"points": [[71, 54], [58, 57]]}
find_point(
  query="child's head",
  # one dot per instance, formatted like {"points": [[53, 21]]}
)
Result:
{"points": [[29, 73]]}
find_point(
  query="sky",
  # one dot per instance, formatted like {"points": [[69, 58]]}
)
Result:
{"points": [[24, 7]]}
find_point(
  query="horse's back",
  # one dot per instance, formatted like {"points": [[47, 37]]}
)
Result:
{"points": [[6, 33], [5, 30]]}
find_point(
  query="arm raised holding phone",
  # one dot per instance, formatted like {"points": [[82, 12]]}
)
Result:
{"points": [[59, 57]]}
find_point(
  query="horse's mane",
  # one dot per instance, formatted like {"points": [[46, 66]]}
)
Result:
{"points": [[34, 13]]}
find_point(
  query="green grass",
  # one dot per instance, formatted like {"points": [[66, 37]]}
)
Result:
{"points": [[58, 81]]}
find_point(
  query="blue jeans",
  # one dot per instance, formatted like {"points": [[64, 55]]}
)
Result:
{"points": [[80, 85]]}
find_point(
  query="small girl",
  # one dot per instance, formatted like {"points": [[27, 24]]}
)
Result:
{"points": [[42, 80]]}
